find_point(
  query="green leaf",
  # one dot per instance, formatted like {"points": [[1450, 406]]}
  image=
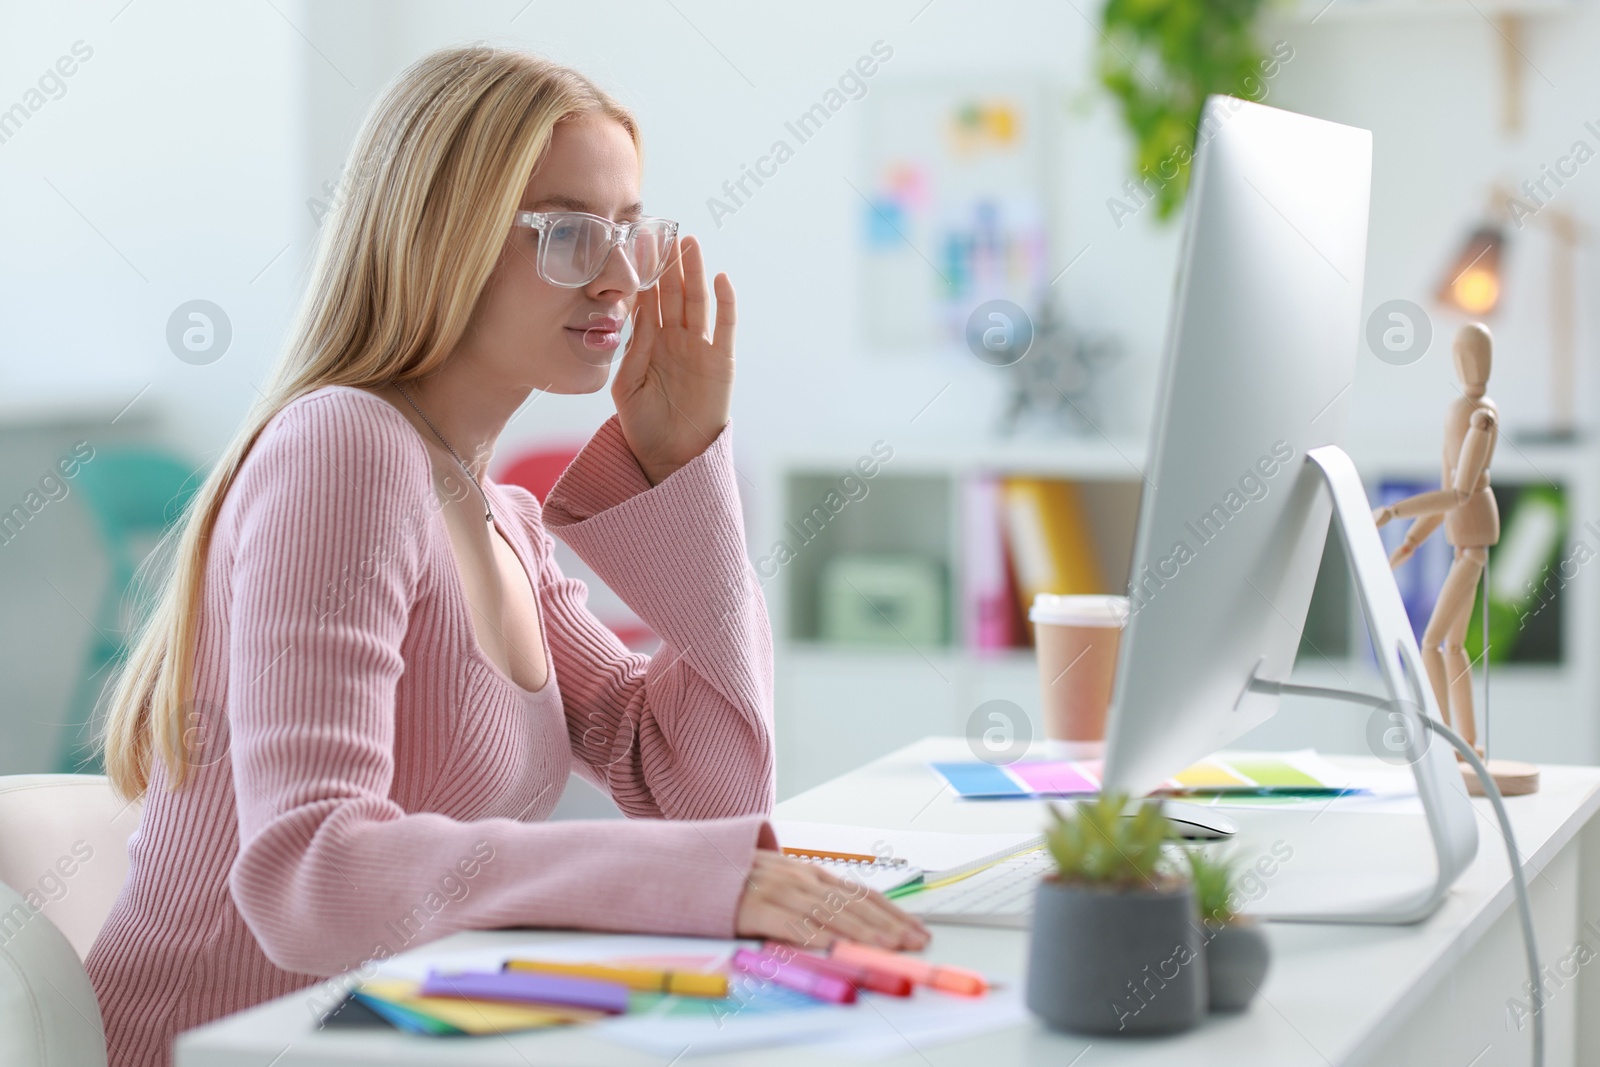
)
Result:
{"points": [[1096, 845], [1214, 877], [1159, 59]]}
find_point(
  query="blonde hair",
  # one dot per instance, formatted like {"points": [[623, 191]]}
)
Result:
{"points": [[431, 184]]}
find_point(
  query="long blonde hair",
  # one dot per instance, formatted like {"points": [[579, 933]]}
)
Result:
{"points": [[430, 188]]}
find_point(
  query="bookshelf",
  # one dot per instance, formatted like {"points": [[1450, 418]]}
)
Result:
{"points": [[840, 704]]}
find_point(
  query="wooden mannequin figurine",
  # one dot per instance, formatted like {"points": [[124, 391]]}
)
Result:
{"points": [[1466, 507]]}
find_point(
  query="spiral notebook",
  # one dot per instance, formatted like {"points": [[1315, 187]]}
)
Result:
{"points": [[886, 860]]}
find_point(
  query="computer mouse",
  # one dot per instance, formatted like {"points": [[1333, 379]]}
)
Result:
{"points": [[1198, 820]]}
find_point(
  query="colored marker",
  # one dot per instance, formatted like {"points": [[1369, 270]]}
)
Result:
{"points": [[644, 979], [937, 976], [524, 988], [867, 978], [826, 987]]}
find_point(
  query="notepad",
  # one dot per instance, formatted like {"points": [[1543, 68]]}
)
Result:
{"points": [[901, 857]]}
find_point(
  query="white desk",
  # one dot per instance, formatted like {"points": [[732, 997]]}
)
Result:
{"points": [[1433, 993]]}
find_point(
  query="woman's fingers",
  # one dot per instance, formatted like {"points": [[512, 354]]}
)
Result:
{"points": [[635, 360], [854, 917], [890, 927], [878, 905], [670, 288], [906, 931], [821, 915], [696, 300], [727, 316], [799, 902]]}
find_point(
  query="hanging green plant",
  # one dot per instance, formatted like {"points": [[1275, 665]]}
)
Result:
{"points": [[1160, 59]]}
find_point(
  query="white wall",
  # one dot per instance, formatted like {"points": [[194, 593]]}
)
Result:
{"points": [[1428, 86], [163, 174]]}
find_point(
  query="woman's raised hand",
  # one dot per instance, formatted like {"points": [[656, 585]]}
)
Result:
{"points": [[786, 899], [674, 388]]}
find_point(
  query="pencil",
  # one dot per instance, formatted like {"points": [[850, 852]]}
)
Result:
{"points": [[817, 853]]}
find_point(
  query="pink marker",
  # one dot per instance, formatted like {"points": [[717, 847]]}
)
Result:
{"points": [[826, 987], [863, 978]]}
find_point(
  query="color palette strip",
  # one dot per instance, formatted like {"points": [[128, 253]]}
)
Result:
{"points": [[1244, 773], [1276, 774], [1057, 778], [979, 779]]}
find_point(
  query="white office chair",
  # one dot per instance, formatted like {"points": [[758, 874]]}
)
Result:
{"points": [[63, 859]]}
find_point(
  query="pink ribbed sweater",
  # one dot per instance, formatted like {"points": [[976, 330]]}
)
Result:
{"points": [[365, 780]]}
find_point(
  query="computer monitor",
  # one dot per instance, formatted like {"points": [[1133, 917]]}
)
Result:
{"points": [[1260, 357]]}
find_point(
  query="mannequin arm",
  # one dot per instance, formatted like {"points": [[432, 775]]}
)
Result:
{"points": [[1469, 468], [1420, 531], [1474, 452]]}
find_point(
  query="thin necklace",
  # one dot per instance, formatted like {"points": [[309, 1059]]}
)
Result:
{"points": [[488, 515]]}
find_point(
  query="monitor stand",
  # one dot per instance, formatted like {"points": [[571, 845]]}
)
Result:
{"points": [[1450, 816]]}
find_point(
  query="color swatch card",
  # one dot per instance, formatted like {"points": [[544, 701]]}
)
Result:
{"points": [[1299, 773]]}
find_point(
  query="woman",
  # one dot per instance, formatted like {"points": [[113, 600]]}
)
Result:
{"points": [[362, 688]]}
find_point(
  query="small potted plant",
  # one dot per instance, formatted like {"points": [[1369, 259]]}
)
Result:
{"points": [[1237, 953], [1117, 946]]}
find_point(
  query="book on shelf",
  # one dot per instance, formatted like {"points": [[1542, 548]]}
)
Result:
{"points": [[1022, 536], [1048, 534], [989, 599]]}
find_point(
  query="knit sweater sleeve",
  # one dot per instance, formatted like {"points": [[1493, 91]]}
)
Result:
{"points": [[686, 733], [328, 864]]}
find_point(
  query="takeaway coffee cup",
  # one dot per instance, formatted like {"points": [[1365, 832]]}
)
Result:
{"points": [[1077, 638]]}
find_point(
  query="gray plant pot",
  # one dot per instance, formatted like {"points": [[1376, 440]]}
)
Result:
{"points": [[1103, 962], [1237, 956]]}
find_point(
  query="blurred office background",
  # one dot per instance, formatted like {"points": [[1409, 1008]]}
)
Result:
{"points": [[937, 152]]}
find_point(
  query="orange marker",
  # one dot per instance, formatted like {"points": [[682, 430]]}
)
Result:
{"points": [[937, 976]]}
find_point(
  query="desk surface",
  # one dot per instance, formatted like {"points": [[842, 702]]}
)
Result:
{"points": [[1334, 994]]}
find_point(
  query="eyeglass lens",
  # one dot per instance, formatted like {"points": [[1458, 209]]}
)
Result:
{"points": [[575, 249]]}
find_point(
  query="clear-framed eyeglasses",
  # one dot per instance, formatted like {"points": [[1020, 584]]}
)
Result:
{"points": [[574, 245]]}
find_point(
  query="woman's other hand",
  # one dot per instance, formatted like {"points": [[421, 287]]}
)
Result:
{"points": [[674, 388], [786, 899]]}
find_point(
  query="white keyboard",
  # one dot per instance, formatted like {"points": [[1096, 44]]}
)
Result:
{"points": [[1001, 895]]}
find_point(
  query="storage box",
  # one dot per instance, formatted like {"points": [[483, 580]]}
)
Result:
{"points": [[883, 599]]}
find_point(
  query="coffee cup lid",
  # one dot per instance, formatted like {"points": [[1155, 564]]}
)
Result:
{"points": [[1079, 610]]}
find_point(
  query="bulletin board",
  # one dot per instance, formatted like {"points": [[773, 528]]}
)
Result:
{"points": [[954, 175]]}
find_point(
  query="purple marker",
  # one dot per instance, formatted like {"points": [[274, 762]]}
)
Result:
{"points": [[527, 987]]}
